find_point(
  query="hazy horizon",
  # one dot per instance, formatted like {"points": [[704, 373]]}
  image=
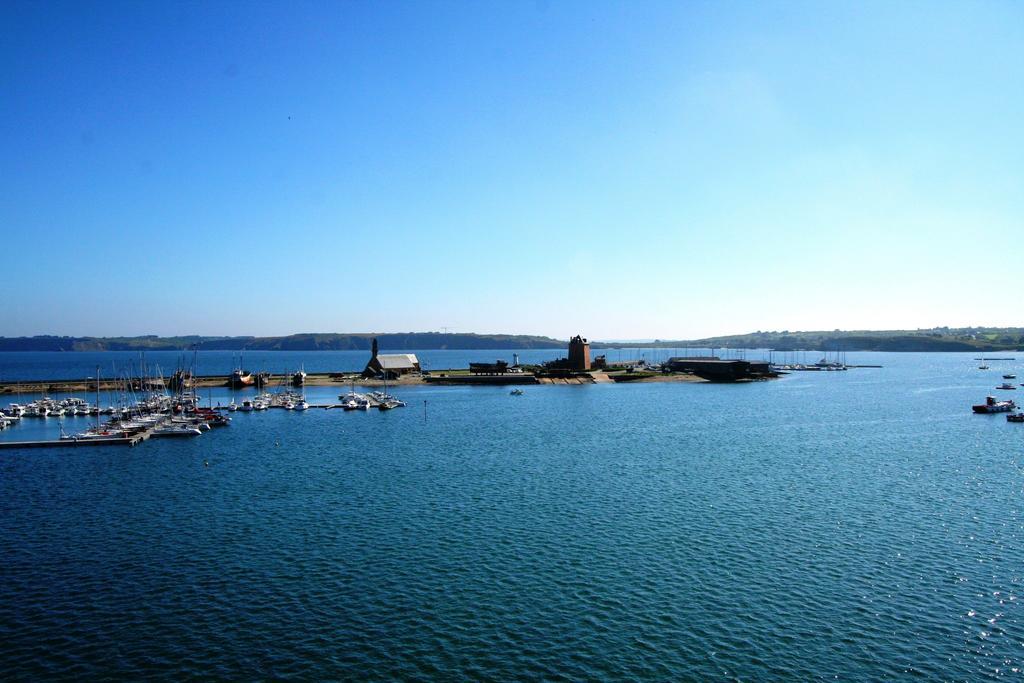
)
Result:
{"points": [[539, 334], [622, 170]]}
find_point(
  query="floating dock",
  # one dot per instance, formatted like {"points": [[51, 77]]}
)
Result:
{"points": [[74, 443]]}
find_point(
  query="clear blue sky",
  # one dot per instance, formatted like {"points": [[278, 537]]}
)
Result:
{"points": [[623, 170]]}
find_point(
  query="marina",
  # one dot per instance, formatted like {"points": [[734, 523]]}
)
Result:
{"points": [[293, 376]]}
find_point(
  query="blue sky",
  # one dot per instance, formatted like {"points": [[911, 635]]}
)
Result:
{"points": [[623, 170]]}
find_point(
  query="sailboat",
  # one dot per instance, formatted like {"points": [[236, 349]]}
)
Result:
{"points": [[385, 401]]}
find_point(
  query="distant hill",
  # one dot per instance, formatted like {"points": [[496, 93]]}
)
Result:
{"points": [[294, 342], [935, 339]]}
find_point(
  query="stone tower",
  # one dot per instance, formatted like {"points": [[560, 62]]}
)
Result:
{"points": [[579, 353]]}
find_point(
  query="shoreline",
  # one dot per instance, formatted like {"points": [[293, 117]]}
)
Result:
{"points": [[342, 380]]}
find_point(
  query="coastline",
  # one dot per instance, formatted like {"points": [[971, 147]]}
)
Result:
{"points": [[342, 380]]}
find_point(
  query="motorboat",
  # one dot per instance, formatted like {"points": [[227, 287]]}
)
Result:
{"points": [[217, 420], [1006, 386], [35, 410], [1015, 417], [1010, 376], [302, 405], [983, 367], [991, 405], [247, 406], [516, 392], [354, 401]]}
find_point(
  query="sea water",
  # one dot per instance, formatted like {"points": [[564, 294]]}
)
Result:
{"points": [[856, 525]]}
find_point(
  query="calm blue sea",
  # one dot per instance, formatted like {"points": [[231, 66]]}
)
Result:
{"points": [[853, 526]]}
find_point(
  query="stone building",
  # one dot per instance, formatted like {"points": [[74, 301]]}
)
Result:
{"points": [[579, 353], [390, 365]]}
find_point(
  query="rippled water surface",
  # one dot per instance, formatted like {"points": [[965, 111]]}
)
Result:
{"points": [[858, 525]]}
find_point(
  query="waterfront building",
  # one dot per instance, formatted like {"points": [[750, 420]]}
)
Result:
{"points": [[579, 353], [718, 370], [390, 365], [578, 360], [498, 367]]}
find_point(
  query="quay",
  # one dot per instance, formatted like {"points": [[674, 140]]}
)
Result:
{"points": [[404, 370]]}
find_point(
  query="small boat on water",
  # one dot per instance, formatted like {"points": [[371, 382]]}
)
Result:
{"points": [[983, 367], [1010, 376], [1015, 417], [177, 430], [1006, 385], [991, 405], [299, 378], [354, 401], [102, 434], [247, 406], [516, 392]]}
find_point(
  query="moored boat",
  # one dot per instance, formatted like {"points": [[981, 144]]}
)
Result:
{"points": [[354, 401], [991, 405], [1015, 417], [1006, 386], [241, 378], [174, 430]]}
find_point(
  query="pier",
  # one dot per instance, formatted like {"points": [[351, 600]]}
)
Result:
{"points": [[132, 440]]}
